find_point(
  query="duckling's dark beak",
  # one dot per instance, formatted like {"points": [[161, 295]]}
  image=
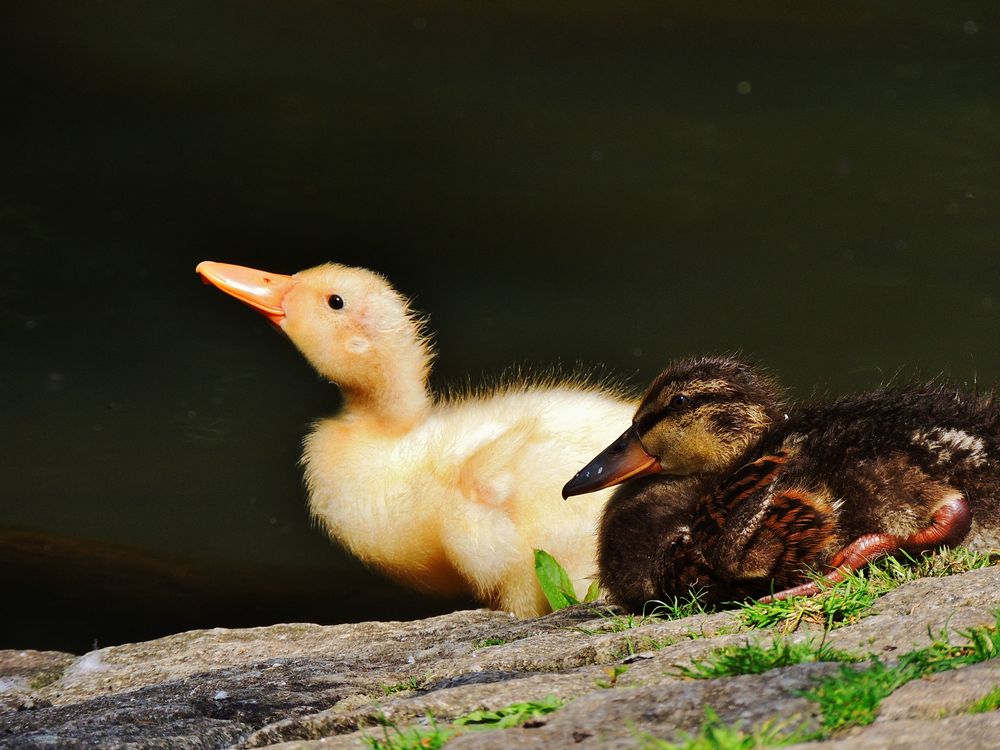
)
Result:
{"points": [[623, 459], [263, 291]]}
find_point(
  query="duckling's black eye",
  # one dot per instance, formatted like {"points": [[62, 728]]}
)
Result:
{"points": [[336, 301], [680, 402]]}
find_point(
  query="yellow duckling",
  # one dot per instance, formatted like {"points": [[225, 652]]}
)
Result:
{"points": [[447, 495]]}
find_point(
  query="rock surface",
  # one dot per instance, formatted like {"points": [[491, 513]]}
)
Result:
{"points": [[310, 686]]}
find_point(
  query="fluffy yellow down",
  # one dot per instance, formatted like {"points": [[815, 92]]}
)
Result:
{"points": [[447, 495]]}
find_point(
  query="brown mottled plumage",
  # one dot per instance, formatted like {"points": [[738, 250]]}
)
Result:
{"points": [[747, 500]]}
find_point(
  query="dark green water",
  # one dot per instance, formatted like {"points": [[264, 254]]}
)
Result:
{"points": [[815, 186]]}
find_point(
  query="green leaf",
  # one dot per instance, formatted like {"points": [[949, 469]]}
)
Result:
{"points": [[555, 582], [593, 592]]}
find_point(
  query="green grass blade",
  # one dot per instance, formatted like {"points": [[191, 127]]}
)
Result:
{"points": [[989, 702]]}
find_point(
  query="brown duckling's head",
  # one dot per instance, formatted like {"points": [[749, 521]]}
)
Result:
{"points": [[698, 416]]}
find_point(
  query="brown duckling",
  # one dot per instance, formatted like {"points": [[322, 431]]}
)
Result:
{"points": [[746, 499]]}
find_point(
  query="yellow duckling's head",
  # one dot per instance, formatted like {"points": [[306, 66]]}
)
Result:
{"points": [[352, 326], [698, 416]]}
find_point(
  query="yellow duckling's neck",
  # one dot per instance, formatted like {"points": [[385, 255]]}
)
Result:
{"points": [[392, 407], [390, 392]]}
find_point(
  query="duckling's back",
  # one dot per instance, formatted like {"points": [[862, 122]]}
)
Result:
{"points": [[881, 456]]}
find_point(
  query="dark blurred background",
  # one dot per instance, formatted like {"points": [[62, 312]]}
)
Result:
{"points": [[593, 184]]}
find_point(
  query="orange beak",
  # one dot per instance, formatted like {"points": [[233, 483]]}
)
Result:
{"points": [[623, 459], [263, 291]]}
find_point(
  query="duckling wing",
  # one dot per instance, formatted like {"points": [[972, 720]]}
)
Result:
{"points": [[747, 482], [487, 475], [775, 538], [756, 533], [484, 537]]}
